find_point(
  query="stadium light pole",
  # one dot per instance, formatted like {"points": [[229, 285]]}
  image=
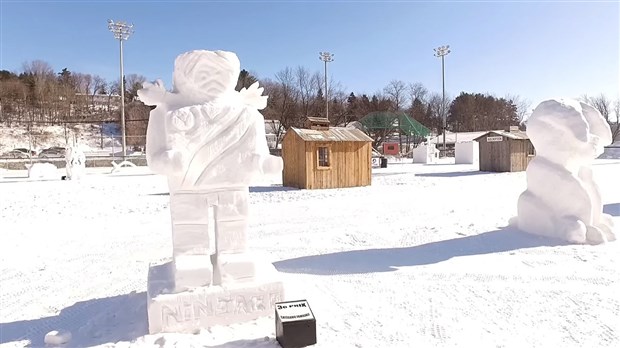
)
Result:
{"points": [[442, 51], [121, 31], [326, 57]]}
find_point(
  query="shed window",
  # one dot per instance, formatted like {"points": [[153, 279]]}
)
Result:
{"points": [[323, 154], [531, 151], [390, 147]]}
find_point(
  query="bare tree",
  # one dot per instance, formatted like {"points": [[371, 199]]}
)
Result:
{"points": [[396, 91], [41, 75], [133, 82], [417, 91], [81, 84], [38, 68], [99, 85], [13, 99], [338, 108], [113, 89], [616, 131], [434, 116], [137, 118], [522, 104], [282, 103], [307, 85], [605, 106]]}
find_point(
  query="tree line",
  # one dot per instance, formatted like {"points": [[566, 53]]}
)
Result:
{"points": [[39, 95]]}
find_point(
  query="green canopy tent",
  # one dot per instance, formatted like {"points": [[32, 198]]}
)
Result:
{"points": [[379, 125]]}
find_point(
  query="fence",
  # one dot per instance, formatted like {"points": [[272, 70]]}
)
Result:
{"points": [[18, 151], [26, 143]]}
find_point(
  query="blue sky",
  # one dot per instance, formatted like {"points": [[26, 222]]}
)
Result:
{"points": [[534, 49]]}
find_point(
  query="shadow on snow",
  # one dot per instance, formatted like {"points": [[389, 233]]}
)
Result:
{"points": [[386, 260], [91, 322], [454, 174], [612, 209], [253, 189], [102, 321]]}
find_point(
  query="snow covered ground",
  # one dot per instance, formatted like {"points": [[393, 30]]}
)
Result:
{"points": [[422, 258]]}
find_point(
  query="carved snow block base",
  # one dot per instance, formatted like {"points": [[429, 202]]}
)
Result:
{"points": [[203, 307]]}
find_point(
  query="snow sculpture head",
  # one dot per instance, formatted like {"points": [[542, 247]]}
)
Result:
{"points": [[562, 199], [206, 75], [568, 132]]}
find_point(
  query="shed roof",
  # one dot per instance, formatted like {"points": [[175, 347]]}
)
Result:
{"points": [[318, 119], [517, 134], [332, 134], [457, 137]]}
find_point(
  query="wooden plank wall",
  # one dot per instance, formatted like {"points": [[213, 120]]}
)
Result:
{"points": [[494, 156], [293, 151], [508, 155], [302, 175], [518, 155], [289, 165], [350, 165]]}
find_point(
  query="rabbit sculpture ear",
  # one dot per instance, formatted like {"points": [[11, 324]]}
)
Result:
{"points": [[598, 126]]}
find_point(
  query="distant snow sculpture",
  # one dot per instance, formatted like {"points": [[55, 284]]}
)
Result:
{"points": [[209, 140], [425, 153], [562, 199], [75, 163], [466, 152], [43, 171]]}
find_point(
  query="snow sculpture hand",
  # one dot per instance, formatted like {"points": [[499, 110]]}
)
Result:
{"points": [[252, 96], [562, 199], [152, 93], [183, 119]]}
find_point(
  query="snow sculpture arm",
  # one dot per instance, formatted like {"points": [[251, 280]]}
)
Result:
{"points": [[264, 161], [160, 158]]}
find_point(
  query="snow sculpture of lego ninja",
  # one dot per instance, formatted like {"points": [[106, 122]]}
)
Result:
{"points": [[209, 140]]}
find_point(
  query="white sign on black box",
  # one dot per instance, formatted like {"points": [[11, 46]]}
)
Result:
{"points": [[295, 324]]}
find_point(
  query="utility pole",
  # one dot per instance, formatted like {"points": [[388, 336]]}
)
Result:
{"points": [[326, 57], [441, 52], [121, 31]]}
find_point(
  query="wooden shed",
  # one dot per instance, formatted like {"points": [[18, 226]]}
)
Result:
{"points": [[321, 157], [505, 151]]}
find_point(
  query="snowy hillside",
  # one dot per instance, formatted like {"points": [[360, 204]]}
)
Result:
{"points": [[90, 137], [422, 258]]}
